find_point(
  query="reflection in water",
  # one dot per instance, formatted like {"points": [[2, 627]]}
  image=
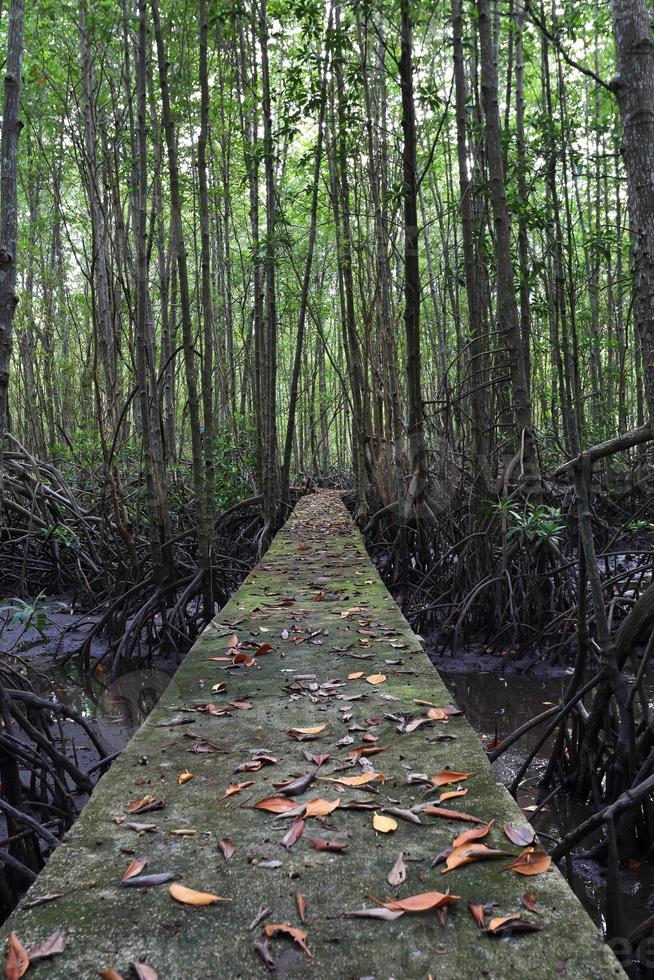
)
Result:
{"points": [[492, 699]]}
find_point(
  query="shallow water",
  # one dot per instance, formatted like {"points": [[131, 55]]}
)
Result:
{"points": [[506, 700]]}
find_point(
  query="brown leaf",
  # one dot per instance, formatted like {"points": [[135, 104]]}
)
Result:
{"points": [[262, 947], [470, 835], [423, 902], [109, 974], [530, 862], [376, 678], [184, 777], [227, 847], [293, 834], [447, 776], [439, 811], [355, 675], [522, 836], [187, 896], [145, 805], [437, 714], [183, 832], [235, 788], [408, 815], [306, 734], [276, 929], [263, 648], [135, 868], [275, 804], [510, 924], [477, 912], [468, 853], [243, 658], [17, 958], [297, 786], [529, 902], [320, 844], [397, 874], [301, 903]]}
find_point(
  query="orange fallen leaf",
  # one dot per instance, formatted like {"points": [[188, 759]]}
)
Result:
{"points": [[384, 824], [188, 896], [320, 808], [263, 648], [235, 788], [476, 910], [437, 714], [376, 678], [297, 935], [503, 925], [468, 853], [470, 835], [530, 862], [145, 804], [243, 658], [109, 974], [183, 832], [303, 734], [355, 676], [17, 959], [135, 868], [321, 844], [448, 776], [423, 902], [275, 804], [440, 811], [184, 777], [452, 794], [529, 902]]}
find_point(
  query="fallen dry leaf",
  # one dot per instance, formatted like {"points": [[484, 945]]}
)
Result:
{"points": [[109, 974], [476, 910], [397, 874], [188, 896], [275, 804], [530, 862], [235, 788], [521, 836], [468, 853], [301, 903], [439, 811], [448, 776], [320, 808], [529, 902], [183, 832], [144, 971], [306, 734], [385, 825], [355, 676], [509, 924], [227, 847], [135, 868], [297, 935], [362, 780], [387, 915], [293, 835], [320, 844], [470, 835], [52, 946], [145, 805], [184, 777], [452, 794], [17, 959], [376, 678], [423, 902]]}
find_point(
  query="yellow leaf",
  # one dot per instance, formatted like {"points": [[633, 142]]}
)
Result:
{"points": [[383, 824], [376, 678], [313, 730], [187, 896], [185, 777], [355, 676], [366, 777]]}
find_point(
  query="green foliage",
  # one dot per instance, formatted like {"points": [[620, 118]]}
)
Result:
{"points": [[29, 615], [234, 460], [535, 524]]}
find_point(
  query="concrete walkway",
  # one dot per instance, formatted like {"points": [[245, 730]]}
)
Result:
{"points": [[322, 648]]}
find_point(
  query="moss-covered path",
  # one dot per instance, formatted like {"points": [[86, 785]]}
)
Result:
{"points": [[322, 648]]}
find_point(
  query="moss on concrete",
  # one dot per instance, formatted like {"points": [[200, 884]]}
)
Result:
{"points": [[317, 553]]}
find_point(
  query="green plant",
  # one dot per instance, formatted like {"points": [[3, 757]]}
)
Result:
{"points": [[536, 524], [29, 615]]}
